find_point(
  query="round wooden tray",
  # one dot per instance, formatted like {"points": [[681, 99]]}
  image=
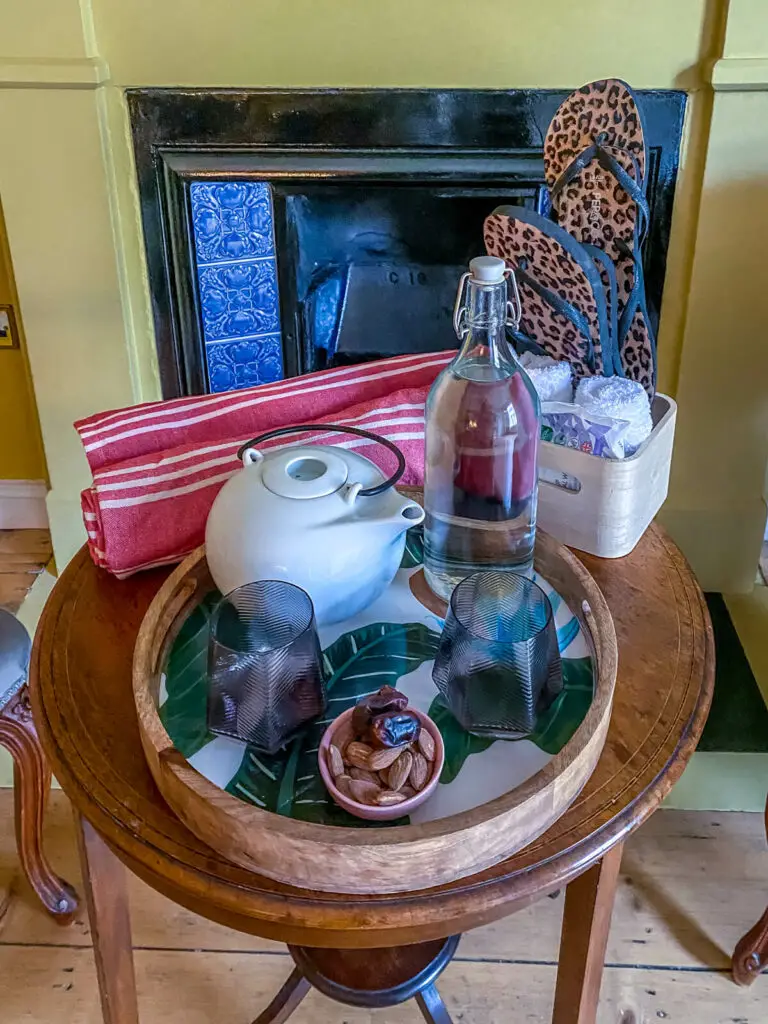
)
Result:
{"points": [[373, 860]]}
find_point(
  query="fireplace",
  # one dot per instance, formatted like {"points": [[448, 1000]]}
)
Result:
{"points": [[289, 231]]}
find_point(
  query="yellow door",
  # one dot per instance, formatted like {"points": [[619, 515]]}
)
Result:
{"points": [[21, 450]]}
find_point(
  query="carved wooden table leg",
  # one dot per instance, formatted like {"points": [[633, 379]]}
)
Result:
{"points": [[32, 781], [751, 953], [586, 923], [106, 897]]}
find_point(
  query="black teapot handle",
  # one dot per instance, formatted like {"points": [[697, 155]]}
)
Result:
{"points": [[367, 492]]}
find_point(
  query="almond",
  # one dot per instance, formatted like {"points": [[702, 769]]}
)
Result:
{"points": [[365, 776], [363, 792], [358, 754], [342, 784], [407, 791], [427, 744], [385, 757], [419, 772], [400, 770], [387, 797], [343, 735], [335, 760]]}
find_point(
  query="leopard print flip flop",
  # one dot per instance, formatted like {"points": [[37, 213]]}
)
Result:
{"points": [[595, 164], [564, 309]]}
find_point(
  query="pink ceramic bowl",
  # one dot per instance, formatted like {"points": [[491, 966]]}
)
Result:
{"points": [[367, 811]]}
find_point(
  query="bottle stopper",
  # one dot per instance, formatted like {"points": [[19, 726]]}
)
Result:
{"points": [[487, 269]]}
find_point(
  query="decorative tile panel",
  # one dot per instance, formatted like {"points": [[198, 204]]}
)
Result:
{"points": [[239, 300], [232, 220], [242, 364], [233, 229]]}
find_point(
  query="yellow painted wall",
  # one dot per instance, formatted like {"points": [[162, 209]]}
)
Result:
{"points": [[37, 29], [717, 506], [718, 503], [21, 450], [745, 70], [294, 43]]}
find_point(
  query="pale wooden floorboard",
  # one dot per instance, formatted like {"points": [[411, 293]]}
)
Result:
{"points": [[23, 555], [58, 986], [692, 883], [22, 548]]}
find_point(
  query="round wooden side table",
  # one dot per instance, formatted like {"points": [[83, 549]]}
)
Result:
{"points": [[83, 704]]}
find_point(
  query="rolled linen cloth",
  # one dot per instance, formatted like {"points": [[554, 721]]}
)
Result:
{"points": [[150, 511], [622, 399], [552, 379]]}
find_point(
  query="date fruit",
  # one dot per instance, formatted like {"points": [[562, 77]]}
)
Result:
{"points": [[393, 730], [387, 700]]}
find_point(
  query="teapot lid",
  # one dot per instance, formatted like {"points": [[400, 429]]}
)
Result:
{"points": [[304, 475], [309, 472]]}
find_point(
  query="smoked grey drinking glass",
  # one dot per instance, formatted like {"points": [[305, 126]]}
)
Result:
{"points": [[265, 677], [498, 663]]}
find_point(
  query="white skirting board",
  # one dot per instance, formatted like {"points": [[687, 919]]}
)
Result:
{"points": [[22, 505]]}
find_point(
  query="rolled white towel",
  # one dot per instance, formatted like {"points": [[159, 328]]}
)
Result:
{"points": [[621, 399], [551, 379]]}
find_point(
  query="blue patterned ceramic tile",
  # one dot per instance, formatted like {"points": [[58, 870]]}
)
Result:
{"points": [[243, 364], [239, 300], [237, 277], [232, 220]]}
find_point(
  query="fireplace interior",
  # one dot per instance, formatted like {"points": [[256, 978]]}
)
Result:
{"points": [[288, 232]]}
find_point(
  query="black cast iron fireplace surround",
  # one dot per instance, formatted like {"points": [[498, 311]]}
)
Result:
{"points": [[431, 163]]}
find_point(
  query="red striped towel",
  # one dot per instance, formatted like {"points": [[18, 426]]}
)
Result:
{"points": [[112, 437], [157, 470]]}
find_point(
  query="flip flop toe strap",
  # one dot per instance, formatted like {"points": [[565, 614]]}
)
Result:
{"points": [[610, 356], [561, 306], [609, 163], [635, 301]]}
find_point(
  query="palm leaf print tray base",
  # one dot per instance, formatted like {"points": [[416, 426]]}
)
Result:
{"points": [[393, 642]]}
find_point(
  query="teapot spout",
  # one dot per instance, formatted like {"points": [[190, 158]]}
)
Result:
{"points": [[409, 514], [398, 516]]}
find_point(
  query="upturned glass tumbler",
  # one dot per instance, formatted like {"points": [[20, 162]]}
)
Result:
{"points": [[498, 663], [265, 677]]}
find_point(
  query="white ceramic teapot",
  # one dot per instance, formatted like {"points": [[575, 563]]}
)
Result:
{"points": [[319, 516]]}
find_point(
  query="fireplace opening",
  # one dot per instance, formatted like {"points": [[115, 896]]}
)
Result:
{"points": [[290, 231], [374, 268]]}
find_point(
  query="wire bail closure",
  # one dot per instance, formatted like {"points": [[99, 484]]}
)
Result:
{"points": [[514, 310]]}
